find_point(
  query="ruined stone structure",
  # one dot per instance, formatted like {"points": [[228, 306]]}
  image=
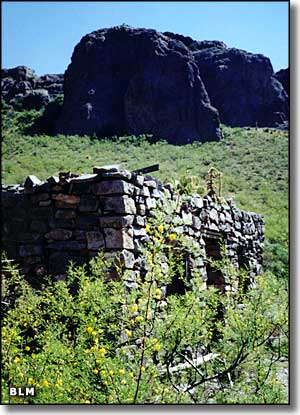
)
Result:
{"points": [[70, 218]]}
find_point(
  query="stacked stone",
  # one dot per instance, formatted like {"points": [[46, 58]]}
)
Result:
{"points": [[73, 217]]}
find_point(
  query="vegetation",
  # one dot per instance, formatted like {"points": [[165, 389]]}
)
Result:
{"points": [[91, 340], [254, 164]]}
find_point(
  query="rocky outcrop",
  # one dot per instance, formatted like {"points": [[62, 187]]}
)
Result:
{"points": [[241, 86], [135, 81], [52, 83], [283, 76], [22, 88], [139, 81]]}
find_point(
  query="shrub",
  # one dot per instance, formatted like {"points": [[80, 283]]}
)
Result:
{"points": [[93, 340]]}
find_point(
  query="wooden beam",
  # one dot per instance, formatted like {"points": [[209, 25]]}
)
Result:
{"points": [[148, 169]]}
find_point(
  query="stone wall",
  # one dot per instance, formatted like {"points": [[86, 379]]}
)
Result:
{"points": [[72, 217]]}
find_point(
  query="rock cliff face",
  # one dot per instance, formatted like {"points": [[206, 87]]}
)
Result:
{"points": [[22, 87], [124, 80], [283, 76], [135, 81], [241, 86]]}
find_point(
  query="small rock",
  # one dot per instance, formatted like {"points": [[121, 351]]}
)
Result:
{"points": [[30, 250], [105, 169], [95, 240], [116, 221], [112, 187], [70, 199], [65, 214], [118, 238], [59, 234], [32, 181]]}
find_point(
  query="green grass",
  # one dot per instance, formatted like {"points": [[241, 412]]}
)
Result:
{"points": [[254, 163]]}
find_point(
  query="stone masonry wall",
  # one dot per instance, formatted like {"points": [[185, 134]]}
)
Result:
{"points": [[71, 217]]}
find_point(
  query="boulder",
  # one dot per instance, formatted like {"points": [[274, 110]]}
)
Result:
{"points": [[35, 99], [19, 73], [134, 81], [52, 82], [241, 86], [21, 87], [283, 76]]}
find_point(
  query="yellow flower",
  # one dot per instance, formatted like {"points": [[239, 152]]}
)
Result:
{"points": [[59, 382], [128, 333], [110, 398], [21, 375], [96, 371], [46, 383], [139, 319], [160, 228], [89, 329], [122, 371], [27, 348], [87, 401], [105, 382], [102, 351], [157, 347], [155, 239], [134, 308], [173, 236], [98, 361], [143, 369], [30, 381], [147, 228], [94, 333], [154, 341], [157, 291], [130, 374], [123, 381], [111, 372], [16, 359]]}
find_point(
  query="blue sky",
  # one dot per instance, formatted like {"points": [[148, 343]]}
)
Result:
{"points": [[42, 35]]}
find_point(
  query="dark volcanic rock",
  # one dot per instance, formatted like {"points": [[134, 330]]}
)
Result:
{"points": [[21, 87], [53, 83], [124, 80], [240, 85], [19, 73], [195, 45], [283, 76], [35, 99]]}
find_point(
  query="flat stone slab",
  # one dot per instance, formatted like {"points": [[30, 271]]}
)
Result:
{"points": [[105, 169]]}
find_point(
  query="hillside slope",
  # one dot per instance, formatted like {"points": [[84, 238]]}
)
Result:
{"points": [[254, 163]]}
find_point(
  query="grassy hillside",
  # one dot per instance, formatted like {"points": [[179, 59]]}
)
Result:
{"points": [[254, 163], [88, 340]]}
